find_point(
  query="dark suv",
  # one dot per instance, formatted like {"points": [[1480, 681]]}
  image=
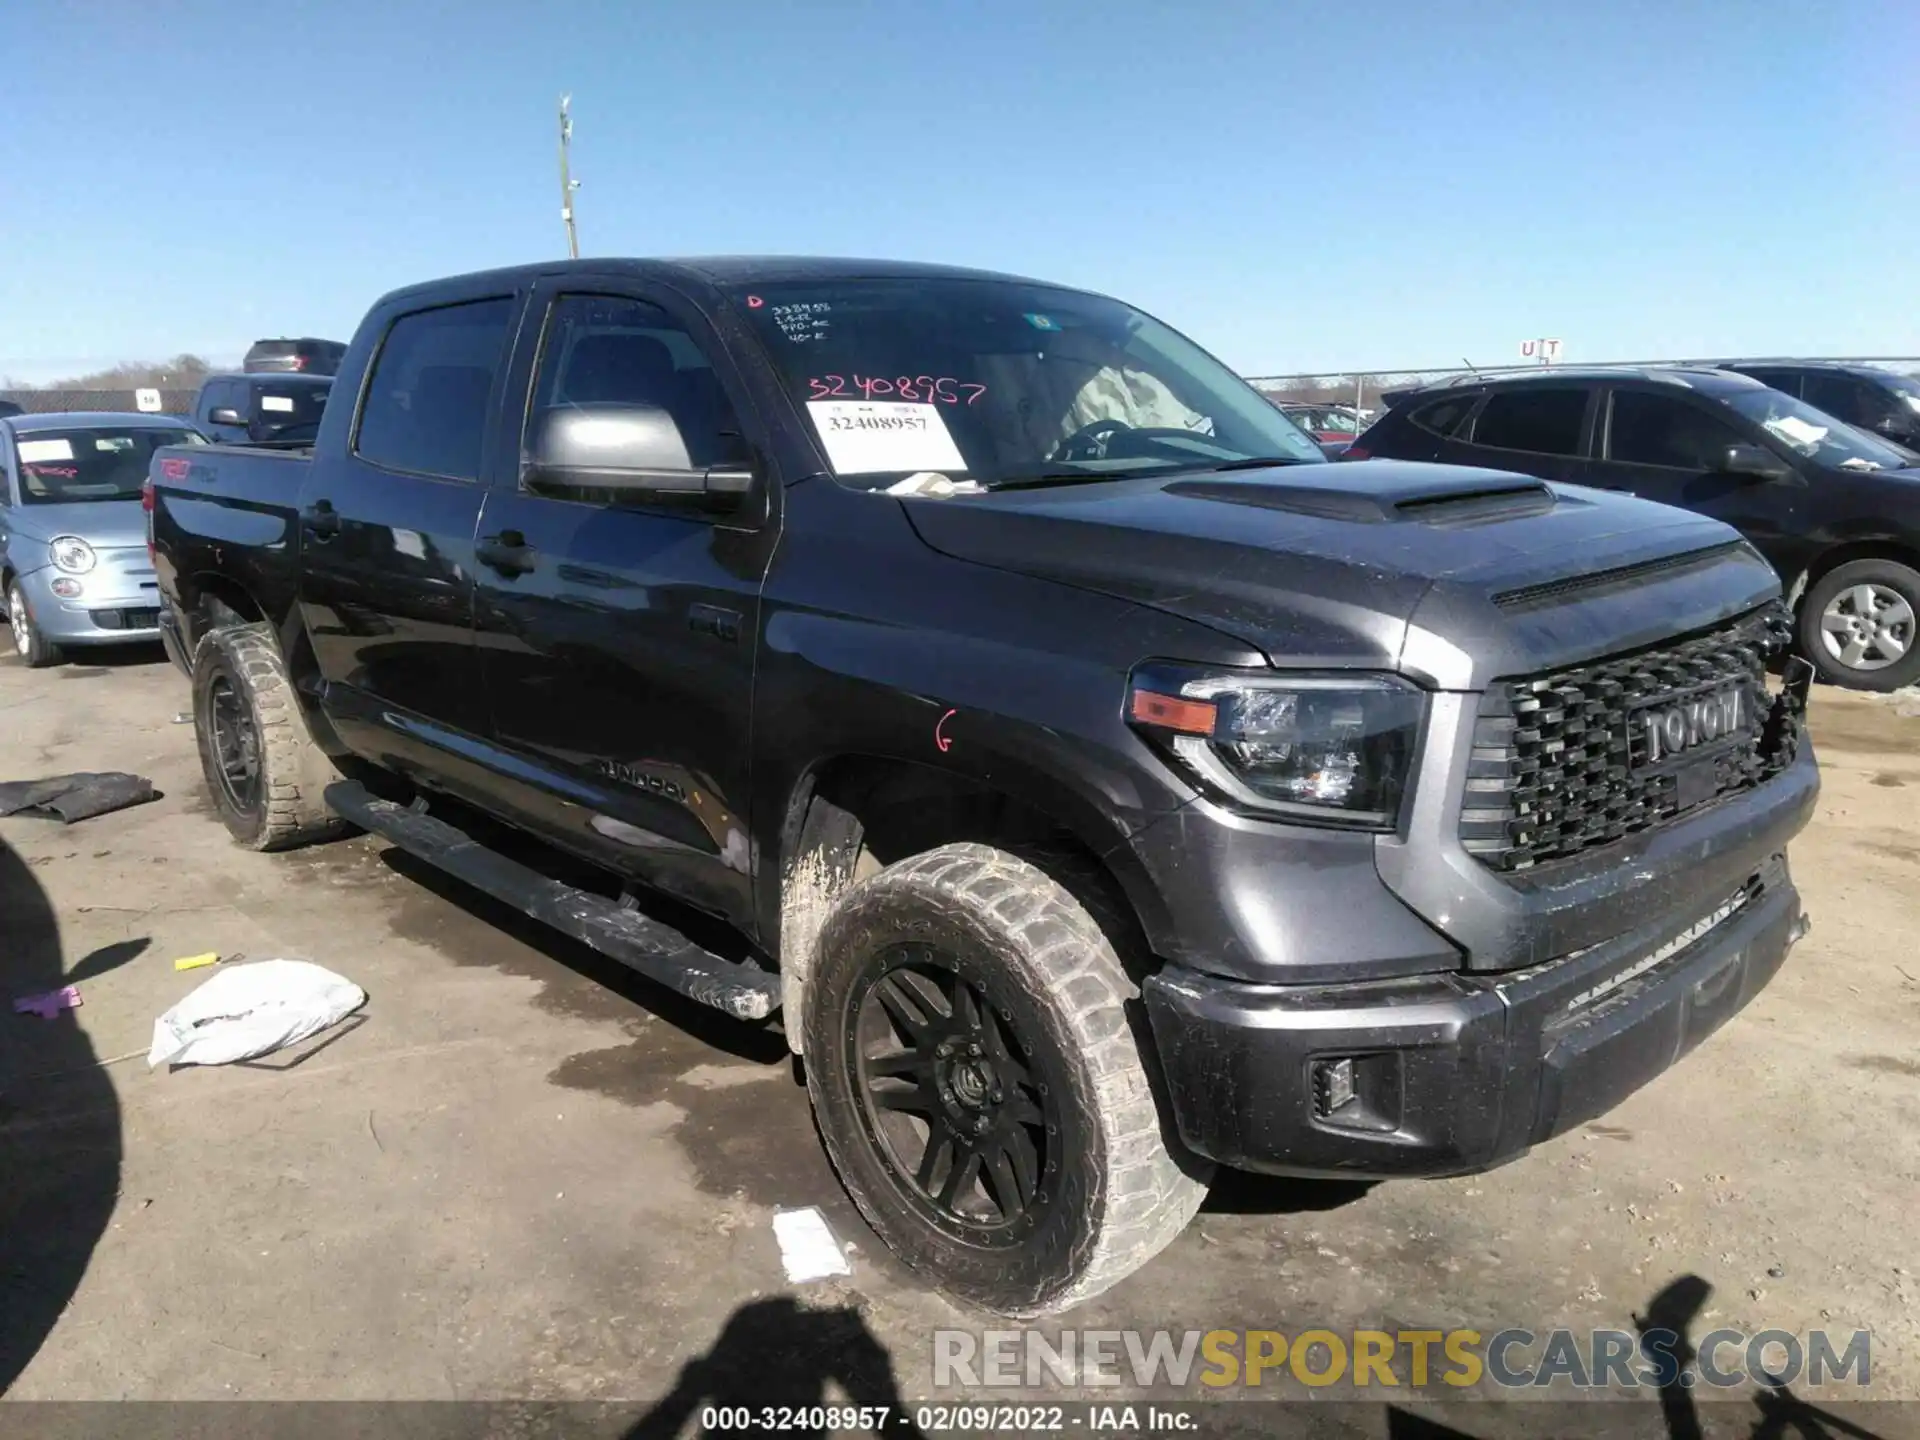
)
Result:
{"points": [[1835, 510], [1865, 396], [307, 356], [261, 409]]}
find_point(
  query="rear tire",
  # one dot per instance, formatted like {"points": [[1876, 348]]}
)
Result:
{"points": [[964, 1003], [36, 652], [1860, 625], [263, 770]]}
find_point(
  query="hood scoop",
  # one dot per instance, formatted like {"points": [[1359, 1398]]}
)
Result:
{"points": [[1474, 498]]}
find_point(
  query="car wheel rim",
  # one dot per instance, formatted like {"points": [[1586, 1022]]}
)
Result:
{"points": [[236, 746], [17, 622], [953, 1100], [1868, 627]]}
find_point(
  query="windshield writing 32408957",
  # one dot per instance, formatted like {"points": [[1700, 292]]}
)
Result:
{"points": [[943, 389]]}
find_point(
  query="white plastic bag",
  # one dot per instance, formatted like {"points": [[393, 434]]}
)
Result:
{"points": [[249, 1010]]}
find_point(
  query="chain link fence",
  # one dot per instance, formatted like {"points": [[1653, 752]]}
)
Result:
{"points": [[49, 402], [1363, 389]]}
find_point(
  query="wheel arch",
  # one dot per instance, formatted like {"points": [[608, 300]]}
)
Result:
{"points": [[212, 601], [848, 815], [1845, 553]]}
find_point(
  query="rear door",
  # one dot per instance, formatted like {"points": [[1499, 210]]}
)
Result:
{"points": [[1668, 444], [387, 525], [617, 634], [1535, 429]]}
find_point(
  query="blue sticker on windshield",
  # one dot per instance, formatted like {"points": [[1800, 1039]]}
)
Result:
{"points": [[1043, 322]]}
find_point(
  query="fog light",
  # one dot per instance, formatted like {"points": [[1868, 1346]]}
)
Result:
{"points": [[66, 589], [1332, 1086], [1356, 1092]]}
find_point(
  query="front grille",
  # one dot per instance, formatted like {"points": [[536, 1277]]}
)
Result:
{"points": [[124, 619], [1558, 768]]}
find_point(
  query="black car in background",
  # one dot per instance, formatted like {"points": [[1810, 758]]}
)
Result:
{"points": [[305, 356], [261, 409], [1865, 396], [1835, 510]]}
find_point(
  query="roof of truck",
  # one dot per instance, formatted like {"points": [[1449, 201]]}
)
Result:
{"points": [[731, 270]]}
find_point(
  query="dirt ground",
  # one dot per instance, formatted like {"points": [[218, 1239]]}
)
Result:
{"points": [[522, 1173]]}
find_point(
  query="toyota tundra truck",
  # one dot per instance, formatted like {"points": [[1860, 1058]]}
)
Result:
{"points": [[1101, 787]]}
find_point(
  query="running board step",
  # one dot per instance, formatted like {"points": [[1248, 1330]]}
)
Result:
{"points": [[656, 951]]}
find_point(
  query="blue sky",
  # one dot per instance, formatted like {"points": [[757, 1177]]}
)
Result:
{"points": [[1298, 186]]}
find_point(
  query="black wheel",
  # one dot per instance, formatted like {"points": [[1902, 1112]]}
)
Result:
{"points": [[36, 652], [979, 1088], [1860, 625], [263, 770]]}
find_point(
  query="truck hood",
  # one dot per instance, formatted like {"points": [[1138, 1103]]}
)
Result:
{"points": [[1451, 574], [103, 524]]}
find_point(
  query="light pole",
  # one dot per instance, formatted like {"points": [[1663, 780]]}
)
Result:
{"points": [[567, 183]]}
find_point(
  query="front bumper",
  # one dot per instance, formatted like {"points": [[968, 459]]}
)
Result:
{"points": [[1460, 1072], [110, 609]]}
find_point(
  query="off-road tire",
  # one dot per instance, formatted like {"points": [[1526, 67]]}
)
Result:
{"points": [[1885, 575], [294, 772], [1035, 953], [38, 653]]}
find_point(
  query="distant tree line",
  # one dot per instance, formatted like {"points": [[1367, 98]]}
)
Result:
{"points": [[182, 372]]}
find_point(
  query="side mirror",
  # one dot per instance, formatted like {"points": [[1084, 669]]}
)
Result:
{"points": [[1755, 462], [225, 415], [629, 450]]}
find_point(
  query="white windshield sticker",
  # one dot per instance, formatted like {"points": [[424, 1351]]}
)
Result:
{"points": [[865, 436], [32, 452], [1795, 431], [276, 402]]}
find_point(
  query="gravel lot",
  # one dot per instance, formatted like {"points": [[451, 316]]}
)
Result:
{"points": [[521, 1173]]}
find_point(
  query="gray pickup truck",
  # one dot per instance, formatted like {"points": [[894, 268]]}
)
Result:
{"points": [[1100, 785]]}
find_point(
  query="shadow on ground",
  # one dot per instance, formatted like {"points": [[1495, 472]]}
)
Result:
{"points": [[776, 1355], [60, 1138]]}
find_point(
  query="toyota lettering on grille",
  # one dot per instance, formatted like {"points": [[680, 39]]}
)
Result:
{"points": [[1691, 724]]}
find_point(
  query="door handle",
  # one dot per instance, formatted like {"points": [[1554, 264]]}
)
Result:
{"points": [[322, 519], [712, 620], [507, 552]]}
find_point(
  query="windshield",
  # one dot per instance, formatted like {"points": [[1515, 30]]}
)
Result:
{"points": [[60, 467], [1814, 433], [1330, 422], [998, 382], [1905, 386]]}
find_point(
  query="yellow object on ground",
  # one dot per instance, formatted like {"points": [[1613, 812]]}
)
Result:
{"points": [[194, 962]]}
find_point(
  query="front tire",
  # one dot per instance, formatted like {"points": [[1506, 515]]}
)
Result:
{"points": [[36, 652], [1860, 625], [979, 1088], [263, 770]]}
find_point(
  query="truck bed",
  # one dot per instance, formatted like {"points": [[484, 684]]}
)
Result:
{"points": [[225, 514]]}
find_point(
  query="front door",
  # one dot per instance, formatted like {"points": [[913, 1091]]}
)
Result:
{"points": [[387, 524], [617, 635], [1671, 447]]}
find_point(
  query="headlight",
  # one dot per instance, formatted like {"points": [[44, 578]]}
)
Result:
{"points": [[1332, 749], [71, 554]]}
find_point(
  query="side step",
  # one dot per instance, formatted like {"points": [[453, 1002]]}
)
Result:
{"points": [[654, 950]]}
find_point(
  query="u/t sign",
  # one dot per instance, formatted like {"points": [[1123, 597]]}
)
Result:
{"points": [[1545, 351]]}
